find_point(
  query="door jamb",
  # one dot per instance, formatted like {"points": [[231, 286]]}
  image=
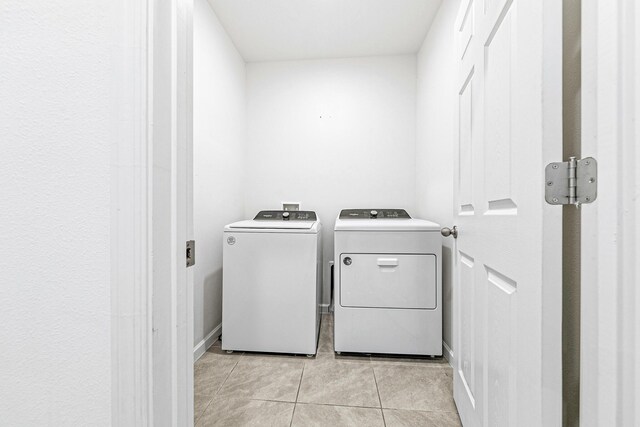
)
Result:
{"points": [[131, 211], [131, 218], [610, 300]]}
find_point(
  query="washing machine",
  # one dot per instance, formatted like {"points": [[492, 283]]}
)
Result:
{"points": [[271, 283], [388, 283]]}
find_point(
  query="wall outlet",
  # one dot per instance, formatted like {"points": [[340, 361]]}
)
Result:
{"points": [[291, 206]]}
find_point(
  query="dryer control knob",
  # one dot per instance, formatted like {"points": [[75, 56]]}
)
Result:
{"points": [[285, 215], [374, 214]]}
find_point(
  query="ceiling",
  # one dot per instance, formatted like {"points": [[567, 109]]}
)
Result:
{"points": [[270, 30]]}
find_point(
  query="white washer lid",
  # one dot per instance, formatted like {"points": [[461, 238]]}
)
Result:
{"points": [[383, 224], [260, 225]]}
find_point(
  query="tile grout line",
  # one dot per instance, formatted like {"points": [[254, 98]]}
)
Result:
{"points": [[227, 377], [379, 398], [295, 405], [293, 414], [216, 393], [195, 423], [300, 383], [349, 406], [331, 404], [262, 400]]}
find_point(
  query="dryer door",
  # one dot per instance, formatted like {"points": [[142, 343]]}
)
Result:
{"points": [[406, 281]]}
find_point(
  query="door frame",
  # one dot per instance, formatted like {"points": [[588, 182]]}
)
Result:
{"points": [[136, 189], [610, 299]]}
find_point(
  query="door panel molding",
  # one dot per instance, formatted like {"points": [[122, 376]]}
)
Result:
{"points": [[509, 275]]}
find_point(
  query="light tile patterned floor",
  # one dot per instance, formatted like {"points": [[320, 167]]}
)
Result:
{"points": [[254, 389]]}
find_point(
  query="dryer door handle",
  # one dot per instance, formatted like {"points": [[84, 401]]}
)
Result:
{"points": [[388, 262]]}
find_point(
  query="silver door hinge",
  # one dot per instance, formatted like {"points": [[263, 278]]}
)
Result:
{"points": [[571, 183], [191, 253]]}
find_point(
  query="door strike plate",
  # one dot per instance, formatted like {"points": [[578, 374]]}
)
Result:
{"points": [[191, 253]]}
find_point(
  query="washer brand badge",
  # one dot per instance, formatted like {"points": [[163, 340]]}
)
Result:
{"points": [[231, 240]]}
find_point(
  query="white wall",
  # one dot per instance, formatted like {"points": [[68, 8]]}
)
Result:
{"points": [[219, 134], [331, 134], [58, 122], [435, 139]]}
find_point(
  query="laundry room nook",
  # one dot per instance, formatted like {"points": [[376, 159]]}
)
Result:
{"points": [[320, 213], [323, 173]]}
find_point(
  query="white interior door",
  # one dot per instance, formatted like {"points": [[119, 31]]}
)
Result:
{"points": [[172, 217], [508, 254], [610, 242]]}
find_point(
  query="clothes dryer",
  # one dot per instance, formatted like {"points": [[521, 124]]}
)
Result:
{"points": [[388, 283]]}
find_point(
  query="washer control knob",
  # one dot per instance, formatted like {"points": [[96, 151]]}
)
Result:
{"points": [[347, 261], [285, 215], [374, 214]]}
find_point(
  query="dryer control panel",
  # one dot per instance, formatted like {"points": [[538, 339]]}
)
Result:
{"points": [[286, 216], [374, 214]]}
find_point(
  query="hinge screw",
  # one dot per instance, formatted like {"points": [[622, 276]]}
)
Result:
{"points": [[591, 180], [555, 166], [587, 162], [549, 183], [555, 200], [588, 199]]}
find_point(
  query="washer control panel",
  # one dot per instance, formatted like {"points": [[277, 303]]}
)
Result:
{"points": [[286, 216], [374, 214]]}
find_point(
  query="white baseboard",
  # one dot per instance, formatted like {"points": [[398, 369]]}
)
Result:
{"points": [[207, 342], [447, 353]]}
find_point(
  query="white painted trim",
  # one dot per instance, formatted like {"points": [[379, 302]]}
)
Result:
{"points": [[171, 225], [131, 332], [448, 353], [206, 342], [136, 52], [610, 237]]}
